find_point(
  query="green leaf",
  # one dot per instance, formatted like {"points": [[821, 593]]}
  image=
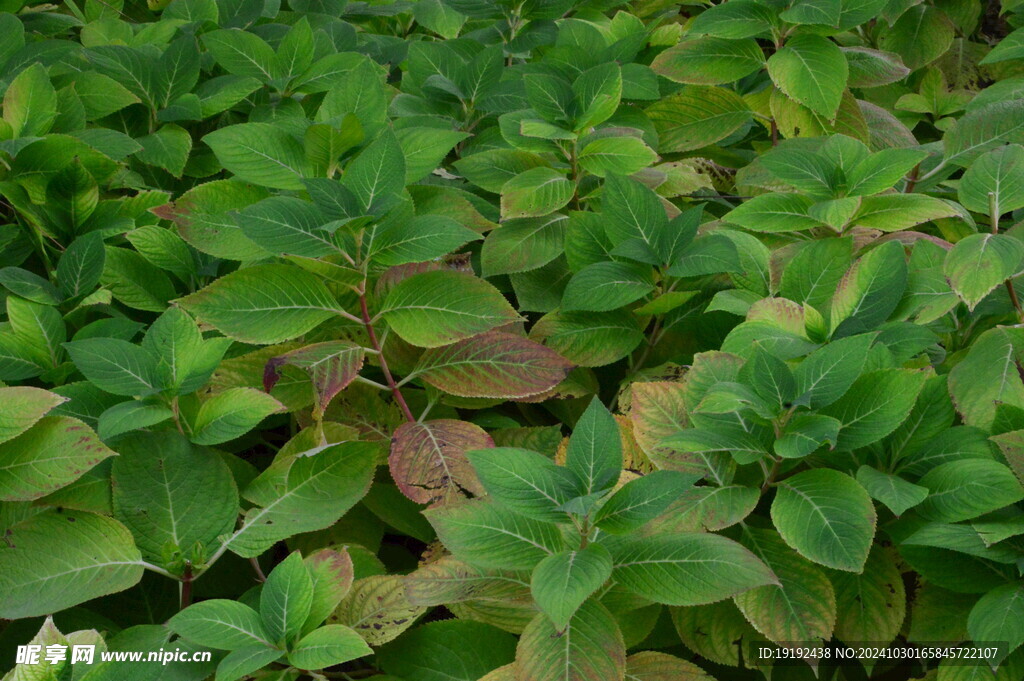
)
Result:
{"points": [[550, 96], [242, 53], [590, 647], [491, 169], [873, 604], [303, 494], [332, 572], [80, 267], [594, 452], [185, 361], [424, 237], [164, 249], [649, 665], [562, 582], [876, 403], [1010, 47], [770, 378], [294, 52], [734, 19], [535, 192], [999, 616], [232, 413], [776, 212], [24, 406], [97, 557], [685, 568], [325, 143], [377, 176], [893, 212], [870, 290], [523, 245], [893, 491], [260, 153], [589, 339], [982, 129], [811, 70], [873, 68], [997, 176], [263, 304], [880, 171], [814, 272], [327, 646], [449, 650], [485, 534], [805, 433], [988, 376], [101, 95], [710, 254], [30, 103], [425, 149], [244, 661], [53, 453], [598, 91], [619, 155], [920, 36], [172, 495], [116, 366], [709, 60], [961, 490], [827, 517], [801, 606], [641, 500], [286, 599], [29, 286], [204, 219], [220, 623], [526, 482], [167, 148], [813, 174], [979, 263], [697, 117], [606, 286], [72, 195], [822, 12], [635, 214], [286, 225], [440, 307]]}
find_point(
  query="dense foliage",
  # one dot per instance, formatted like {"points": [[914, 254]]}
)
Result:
{"points": [[516, 340]]}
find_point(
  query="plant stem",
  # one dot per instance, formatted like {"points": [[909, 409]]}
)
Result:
{"points": [[770, 477], [186, 586], [258, 570], [392, 385], [993, 216], [912, 180], [159, 570]]}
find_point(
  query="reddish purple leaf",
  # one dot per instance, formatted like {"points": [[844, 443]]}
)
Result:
{"points": [[428, 460], [493, 364], [331, 367]]}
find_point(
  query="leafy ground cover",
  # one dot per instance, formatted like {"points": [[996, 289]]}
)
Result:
{"points": [[511, 340]]}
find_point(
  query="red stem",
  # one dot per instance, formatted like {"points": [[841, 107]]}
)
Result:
{"points": [[395, 390], [186, 585]]}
